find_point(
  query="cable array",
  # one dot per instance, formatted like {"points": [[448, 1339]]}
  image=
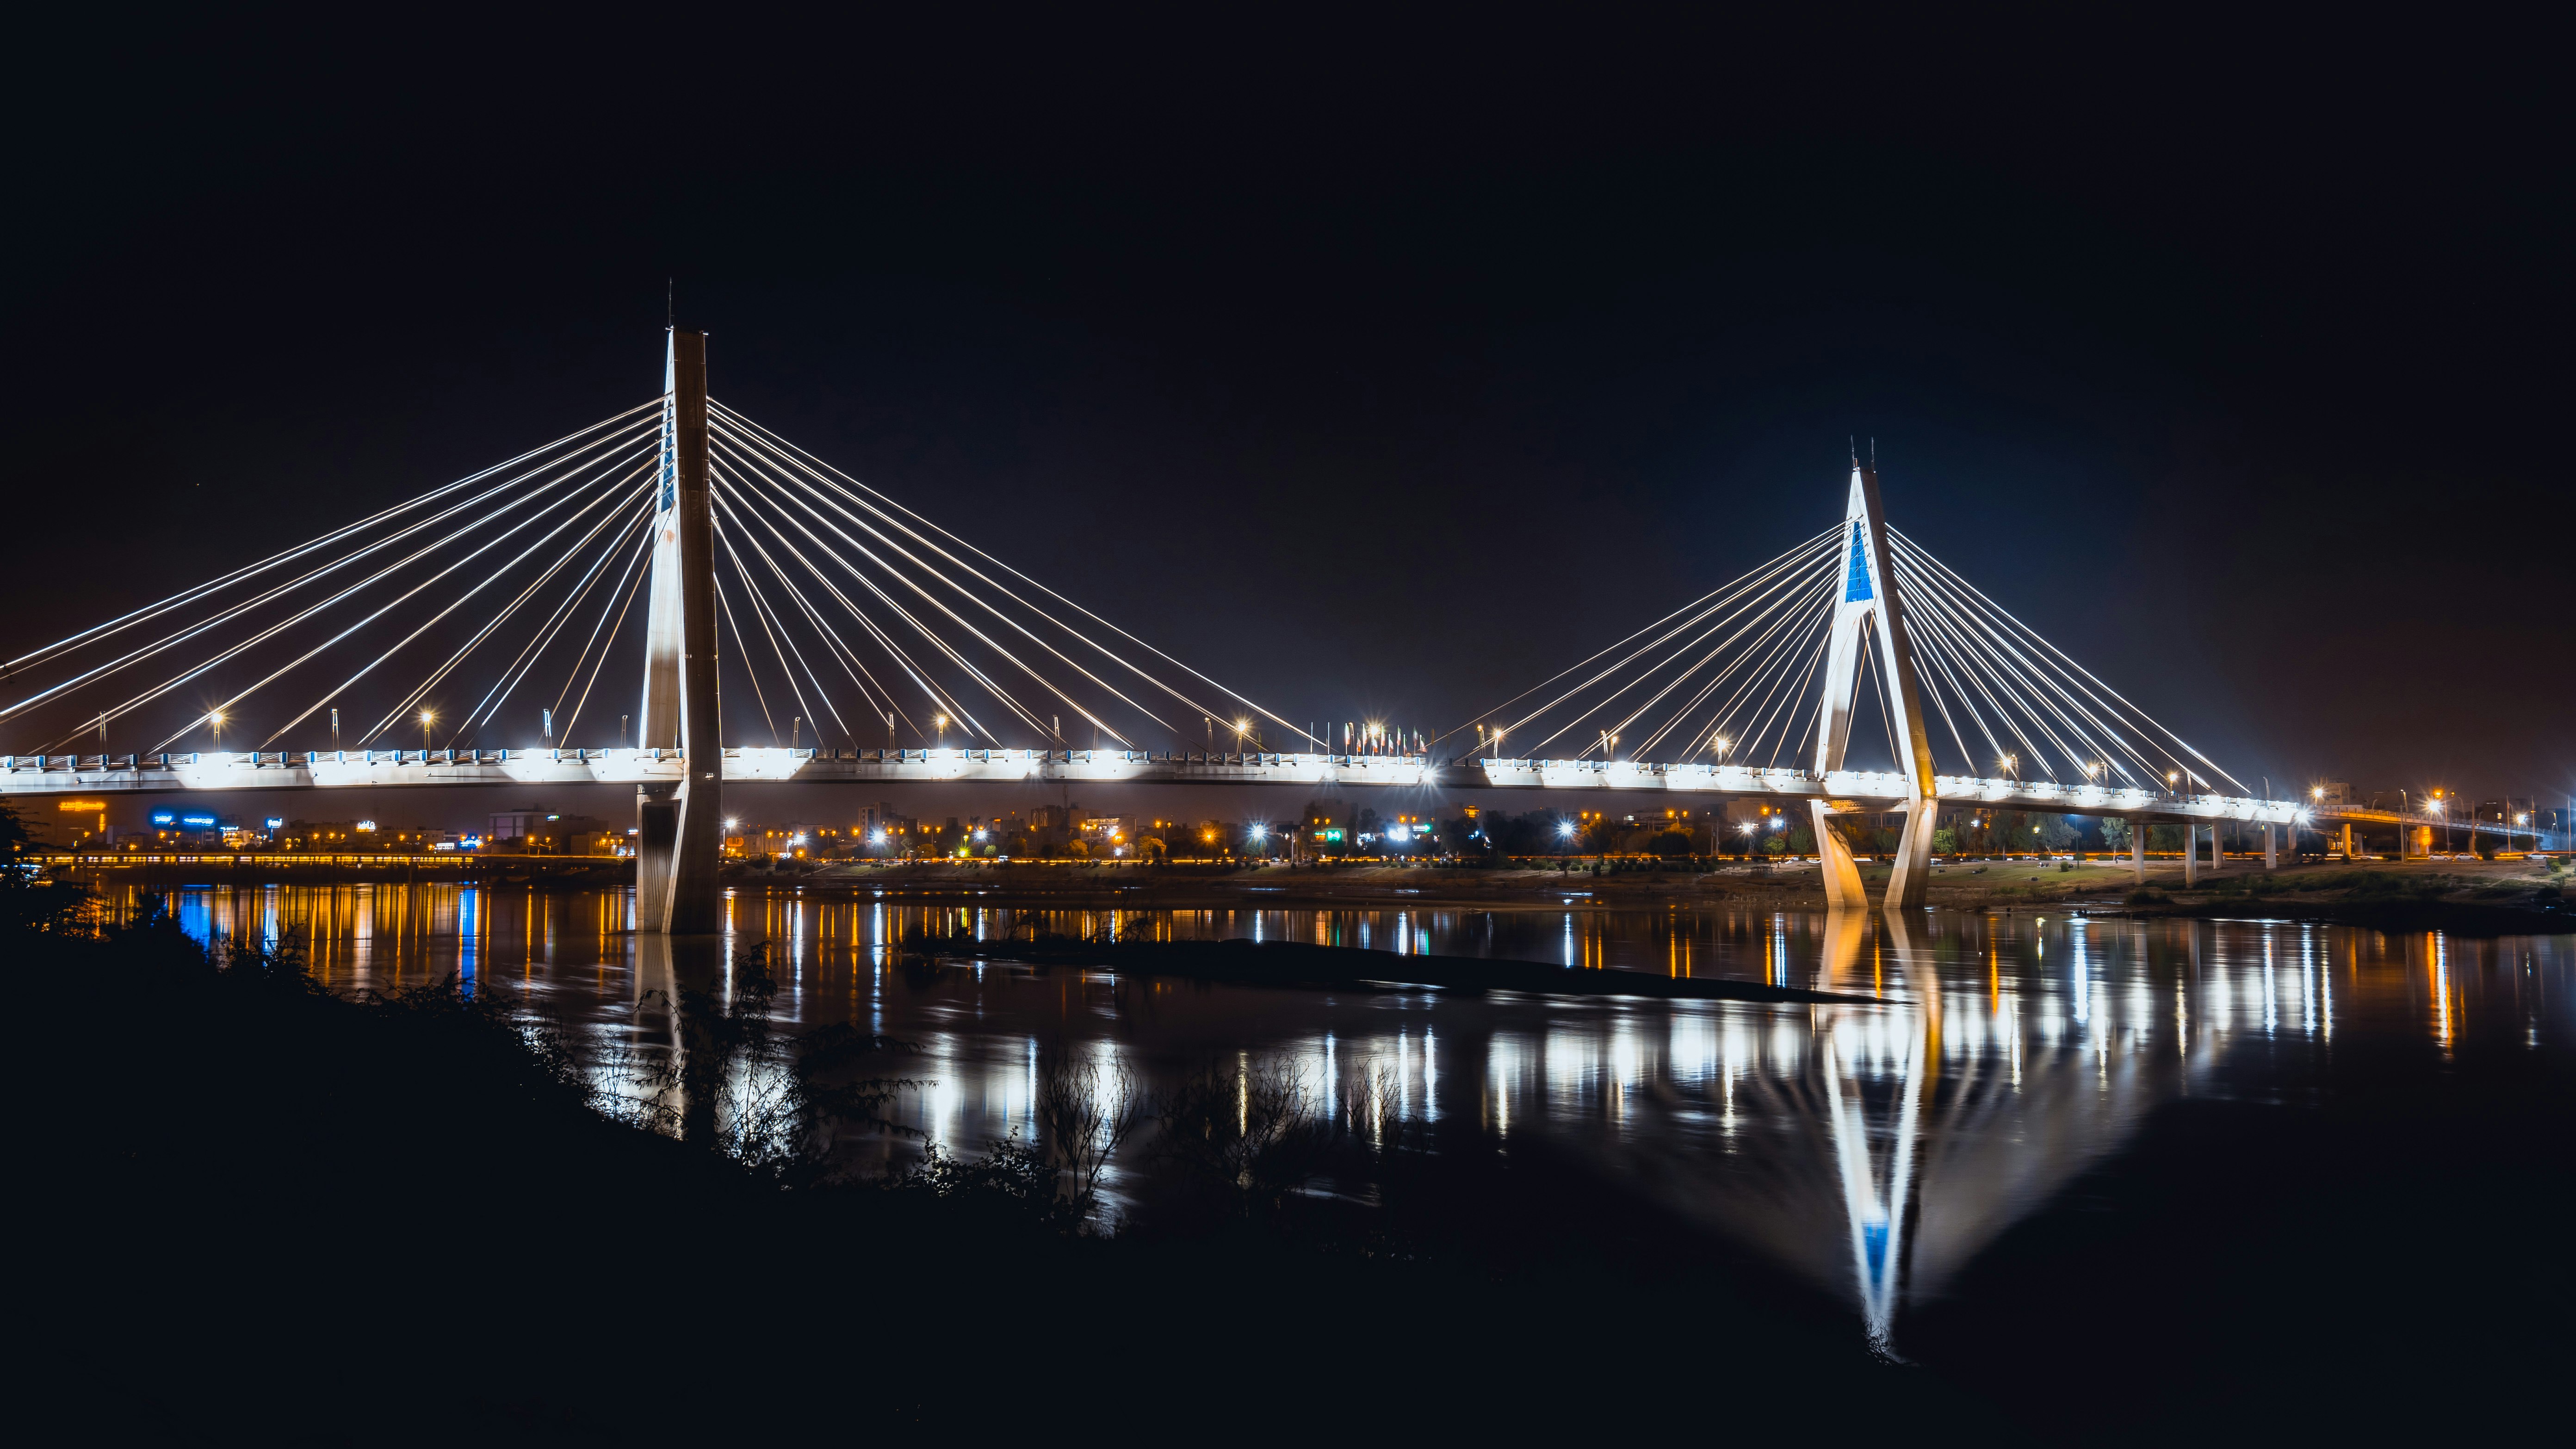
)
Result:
{"points": [[1723, 674], [863, 611], [1735, 677], [2005, 699], [508, 607]]}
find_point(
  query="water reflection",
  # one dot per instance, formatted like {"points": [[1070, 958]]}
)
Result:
{"points": [[1876, 1146]]}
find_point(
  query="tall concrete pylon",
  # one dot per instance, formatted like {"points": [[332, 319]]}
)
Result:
{"points": [[680, 828], [1869, 594]]}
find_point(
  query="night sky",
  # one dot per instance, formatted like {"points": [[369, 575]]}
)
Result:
{"points": [[1382, 372]]}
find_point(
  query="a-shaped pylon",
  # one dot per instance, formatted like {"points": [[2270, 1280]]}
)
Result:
{"points": [[1868, 595]]}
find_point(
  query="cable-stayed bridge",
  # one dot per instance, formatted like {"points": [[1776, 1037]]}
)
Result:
{"points": [[735, 572]]}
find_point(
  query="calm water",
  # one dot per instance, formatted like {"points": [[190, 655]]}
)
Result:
{"points": [[1874, 1148]]}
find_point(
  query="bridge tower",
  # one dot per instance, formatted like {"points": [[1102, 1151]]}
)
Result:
{"points": [[1869, 595], [680, 828]]}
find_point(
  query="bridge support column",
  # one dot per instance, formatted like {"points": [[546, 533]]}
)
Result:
{"points": [[2347, 840], [1842, 874], [657, 829], [1913, 872], [2271, 846], [2138, 851], [2190, 854]]}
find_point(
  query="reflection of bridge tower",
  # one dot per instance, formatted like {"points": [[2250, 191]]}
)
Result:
{"points": [[1868, 597], [680, 828]]}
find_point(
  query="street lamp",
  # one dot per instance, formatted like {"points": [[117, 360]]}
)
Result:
{"points": [[217, 720], [1721, 744], [940, 722], [425, 718], [1748, 828]]}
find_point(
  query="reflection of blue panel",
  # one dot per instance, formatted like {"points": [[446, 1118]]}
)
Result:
{"points": [[1856, 578], [468, 908], [196, 916]]}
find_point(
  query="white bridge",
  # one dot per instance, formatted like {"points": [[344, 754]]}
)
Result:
{"points": [[736, 569], [1841, 791]]}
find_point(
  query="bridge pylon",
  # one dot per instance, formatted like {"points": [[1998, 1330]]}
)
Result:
{"points": [[1869, 596], [680, 828]]}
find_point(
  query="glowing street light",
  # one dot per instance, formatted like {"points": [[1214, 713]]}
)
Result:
{"points": [[425, 720], [2316, 792], [940, 722], [217, 720]]}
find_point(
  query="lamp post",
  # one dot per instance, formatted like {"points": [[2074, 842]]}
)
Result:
{"points": [[217, 720], [425, 718]]}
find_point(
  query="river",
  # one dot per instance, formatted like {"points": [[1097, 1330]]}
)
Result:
{"points": [[1874, 1148]]}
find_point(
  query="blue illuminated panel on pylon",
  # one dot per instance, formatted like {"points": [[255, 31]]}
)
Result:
{"points": [[1856, 578]]}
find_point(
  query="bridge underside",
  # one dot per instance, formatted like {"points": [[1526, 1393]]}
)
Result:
{"points": [[1840, 792]]}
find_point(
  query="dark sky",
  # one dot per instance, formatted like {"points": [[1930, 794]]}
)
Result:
{"points": [[1381, 372]]}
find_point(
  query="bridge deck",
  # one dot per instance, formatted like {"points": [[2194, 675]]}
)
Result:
{"points": [[1846, 791]]}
